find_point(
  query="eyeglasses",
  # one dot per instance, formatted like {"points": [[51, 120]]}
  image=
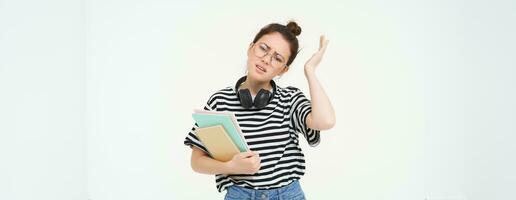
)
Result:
{"points": [[261, 50]]}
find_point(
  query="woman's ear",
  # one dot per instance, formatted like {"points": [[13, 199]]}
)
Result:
{"points": [[284, 70]]}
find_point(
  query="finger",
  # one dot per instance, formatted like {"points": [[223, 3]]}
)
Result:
{"points": [[321, 41], [257, 156], [253, 154], [325, 44], [254, 160], [247, 154]]}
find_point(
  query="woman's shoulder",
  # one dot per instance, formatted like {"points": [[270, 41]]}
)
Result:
{"points": [[226, 92], [288, 90], [220, 96], [293, 94]]}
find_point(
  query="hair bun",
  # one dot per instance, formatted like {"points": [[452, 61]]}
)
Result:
{"points": [[294, 28]]}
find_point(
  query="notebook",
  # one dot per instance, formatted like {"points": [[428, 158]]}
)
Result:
{"points": [[227, 120], [216, 140]]}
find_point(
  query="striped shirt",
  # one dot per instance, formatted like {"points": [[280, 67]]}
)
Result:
{"points": [[273, 132]]}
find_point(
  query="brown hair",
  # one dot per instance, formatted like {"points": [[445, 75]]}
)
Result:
{"points": [[289, 33]]}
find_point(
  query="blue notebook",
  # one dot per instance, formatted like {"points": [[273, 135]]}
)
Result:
{"points": [[206, 118]]}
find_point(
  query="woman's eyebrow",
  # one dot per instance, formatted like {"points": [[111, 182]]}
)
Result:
{"points": [[279, 54], [275, 50]]}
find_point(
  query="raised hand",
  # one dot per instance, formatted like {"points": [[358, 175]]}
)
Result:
{"points": [[314, 61]]}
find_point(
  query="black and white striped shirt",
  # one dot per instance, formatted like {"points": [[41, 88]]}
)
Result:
{"points": [[273, 132]]}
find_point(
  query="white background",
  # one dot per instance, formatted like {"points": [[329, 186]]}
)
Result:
{"points": [[96, 96]]}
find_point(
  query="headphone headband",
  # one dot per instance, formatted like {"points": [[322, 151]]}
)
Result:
{"points": [[245, 101]]}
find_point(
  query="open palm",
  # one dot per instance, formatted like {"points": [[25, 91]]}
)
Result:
{"points": [[314, 61]]}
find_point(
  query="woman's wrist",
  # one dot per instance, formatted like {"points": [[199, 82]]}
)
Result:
{"points": [[309, 72], [226, 167]]}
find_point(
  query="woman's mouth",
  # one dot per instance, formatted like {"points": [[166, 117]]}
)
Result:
{"points": [[260, 68]]}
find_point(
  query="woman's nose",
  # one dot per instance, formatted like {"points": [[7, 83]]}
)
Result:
{"points": [[267, 58]]}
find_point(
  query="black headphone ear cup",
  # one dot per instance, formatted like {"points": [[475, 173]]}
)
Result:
{"points": [[262, 98], [246, 100]]}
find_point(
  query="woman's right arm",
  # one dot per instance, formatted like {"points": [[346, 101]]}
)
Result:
{"points": [[243, 163]]}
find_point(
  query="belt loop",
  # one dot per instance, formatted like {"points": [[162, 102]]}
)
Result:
{"points": [[278, 193]]}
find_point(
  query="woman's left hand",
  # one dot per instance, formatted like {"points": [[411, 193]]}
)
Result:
{"points": [[312, 63]]}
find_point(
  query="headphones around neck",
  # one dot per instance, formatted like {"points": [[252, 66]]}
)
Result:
{"points": [[260, 101]]}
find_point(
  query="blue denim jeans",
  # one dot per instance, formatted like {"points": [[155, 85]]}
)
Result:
{"points": [[291, 191]]}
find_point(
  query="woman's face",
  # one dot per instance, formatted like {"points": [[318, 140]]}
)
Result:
{"points": [[277, 52]]}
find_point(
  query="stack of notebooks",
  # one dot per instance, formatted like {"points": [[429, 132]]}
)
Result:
{"points": [[220, 134]]}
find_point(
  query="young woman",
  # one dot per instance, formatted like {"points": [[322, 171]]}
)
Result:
{"points": [[271, 118]]}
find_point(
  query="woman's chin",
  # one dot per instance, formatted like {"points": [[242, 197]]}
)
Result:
{"points": [[258, 77]]}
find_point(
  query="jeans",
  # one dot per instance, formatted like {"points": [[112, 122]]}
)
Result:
{"points": [[291, 191]]}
